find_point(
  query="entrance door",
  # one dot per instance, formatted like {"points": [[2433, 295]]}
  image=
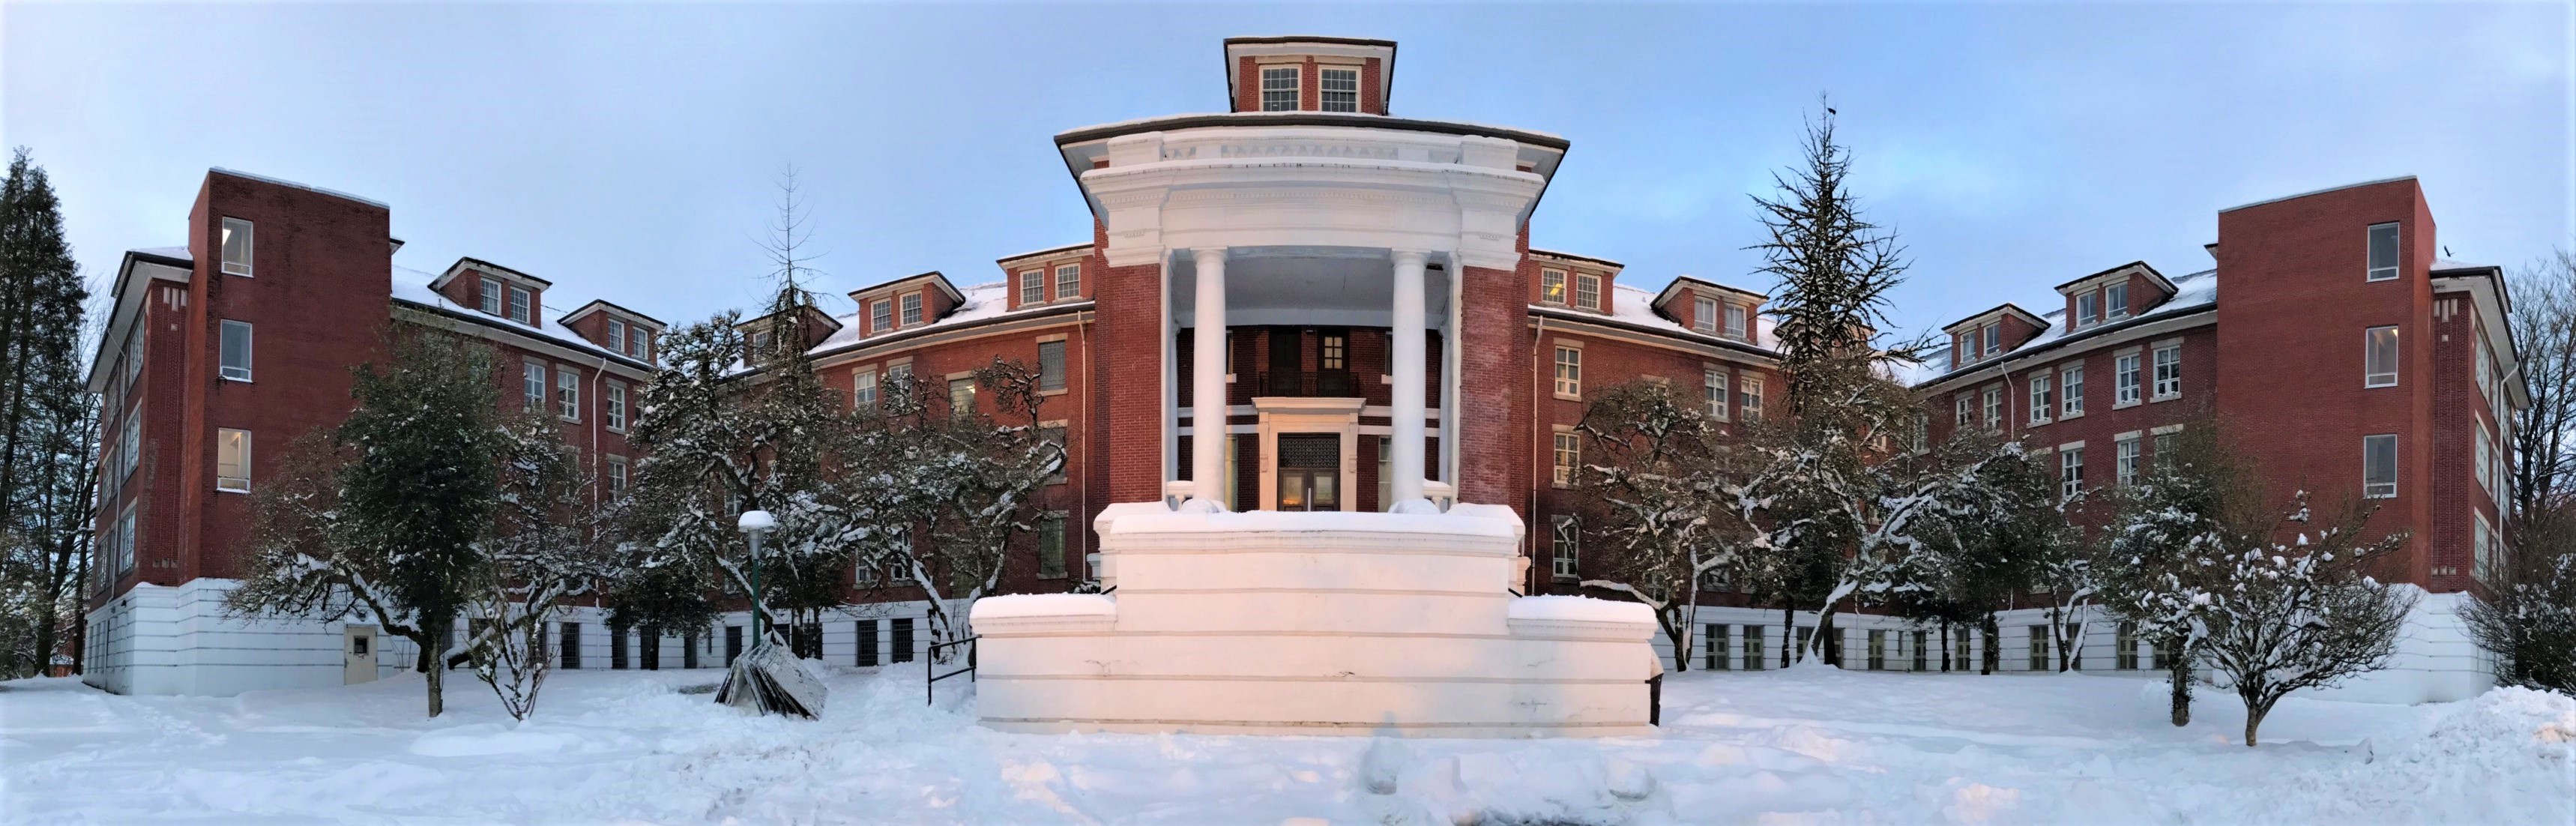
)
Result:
{"points": [[358, 654], [1310, 472]]}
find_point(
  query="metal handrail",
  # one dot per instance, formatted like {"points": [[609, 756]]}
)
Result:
{"points": [[930, 666]]}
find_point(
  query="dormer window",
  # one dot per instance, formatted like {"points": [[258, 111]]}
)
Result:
{"points": [[1279, 89], [2115, 301], [616, 335], [911, 309], [1587, 292], [1994, 335], [491, 297], [1033, 287], [1704, 315], [1735, 323], [2088, 309], [520, 299], [881, 316], [1551, 287], [1068, 281], [760, 342], [1341, 90]]}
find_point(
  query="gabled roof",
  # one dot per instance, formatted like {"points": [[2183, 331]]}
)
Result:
{"points": [[471, 263], [2158, 277], [1682, 281], [2007, 308], [599, 305], [812, 312], [933, 277], [413, 287]]}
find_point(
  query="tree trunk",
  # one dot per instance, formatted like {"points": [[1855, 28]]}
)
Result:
{"points": [[1679, 634], [1987, 658], [2181, 672], [2254, 713], [1788, 635], [437, 685]]}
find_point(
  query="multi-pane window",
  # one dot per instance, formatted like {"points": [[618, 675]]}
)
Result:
{"points": [[1569, 454], [1753, 648], [2043, 398], [232, 460], [2070, 471], [1051, 547], [1050, 365], [2070, 391], [616, 336], [1704, 315], [638, 341], [1751, 399], [2039, 648], [616, 474], [2383, 252], [1055, 436], [1994, 335], [532, 383], [1735, 322], [491, 295], [2165, 446], [1335, 351], [1068, 281], [1340, 88], [2481, 548], [1569, 371], [1033, 287], [1279, 89], [1587, 292], [1551, 286], [911, 309], [899, 375], [520, 305], [2379, 357], [236, 246], [2168, 371], [2125, 647], [2124, 454], [1713, 386], [2124, 376], [1994, 398], [1717, 657], [2088, 309], [616, 404], [236, 350], [568, 394], [881, 316], [2379, 466], [2115, 301], [1966, 406], [961, 397], [125, 537], [131, 449], [2486, 461], [863, 390], [1565, 551]]}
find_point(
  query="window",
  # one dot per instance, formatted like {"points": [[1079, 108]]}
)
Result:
{"points": [[571, 645], [533, 385], [1050, 365], [1279, 89], [616, 403], [1569, 455], [2486, 461], [568, 394], [899, 375], [236, 246], [2383, 252], [2115, 301], [1341, 89], [1966, 404], [2039, 648], [2168, 372], [2043, 398], [2070, 391], [1551, 287], [1569, 371], [2125, 646], [1033, 287], [1055, 436], [130, 449], [520, 298], [2070, 471], [2088, 309], [2379, 357], [616, 336], [637, 341], [881, 318], [1704, 315], [961, 397], [2124, 455], [1068, 281], [1336, 351], [236, 350], [911, 309], [491, 298], [1735, 323], [616, 474], [1587, 292], [2481, 548], [1994, 408], [863, 390], [1751, 400], [1717, 658], [2124, 375], [2379, 466], [2165, 445], [125, 540], [1994, 335], [1877, 649], [232, 460], [1753, 648], [1565, 559], [759, 343], [1051, 547], [1713, 386], [1967, 345]]}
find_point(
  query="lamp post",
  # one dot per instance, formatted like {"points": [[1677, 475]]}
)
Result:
{"points": [[753, 524]]}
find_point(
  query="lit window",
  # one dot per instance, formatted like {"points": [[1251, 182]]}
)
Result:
{"points": [[232, 460], [1051, 365], [1335, 351], [2124, 454], [1033, 287], [2043, 398], [568, 393], [2379, 466], [911, 309], [2115, 301], [2088, 309], [2383, 252], [491, 297], [533, 384], [2168, 372], [1551, 287], [1751, 399], [1569, 455], [236, 350], [1569, 371], [1714, 383], [863, 390], [2070, 471], [616, 403], [882, 317], [616, 336], [1704, 315], [2124, 375], [961, 397], [2070, 391], [1341, 90], [236, 245], [1068, 281], [1564, 551], [2379, 349], [1587, 292], [1735, 323], [1279, 89]]}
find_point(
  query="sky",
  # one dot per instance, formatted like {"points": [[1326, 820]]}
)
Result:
{"points": [[631, 152]]}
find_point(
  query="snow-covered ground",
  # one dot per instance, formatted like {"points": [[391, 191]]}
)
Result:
{"points": [[1802, 746]]}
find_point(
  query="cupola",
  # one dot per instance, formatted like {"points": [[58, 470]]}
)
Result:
{"points": [[1309, 74]]}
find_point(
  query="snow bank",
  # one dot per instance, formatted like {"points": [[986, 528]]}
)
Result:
{"points": [[1042, 605], [1580, 609]]}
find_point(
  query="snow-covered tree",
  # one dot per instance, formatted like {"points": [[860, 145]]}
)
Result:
{"points": [[1657, 479], [2301, 614], [48, 424], [544, 545], [2197, 499]]}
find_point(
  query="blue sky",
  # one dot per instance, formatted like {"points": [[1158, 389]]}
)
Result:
{"points": [[628, 152]]}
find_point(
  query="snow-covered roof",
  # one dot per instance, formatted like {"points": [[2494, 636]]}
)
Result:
{"points": [[2192, 293], [1188, 120], [413, 286], [982, 302], [180, 253], [1634, 307]]}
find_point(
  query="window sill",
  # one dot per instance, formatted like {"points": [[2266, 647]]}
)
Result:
{"points": [[2039, 422], [236, 379], [1565, 579], [2370, 386], [2164, 398], [1055, 392], [1569, 397], [2125, 405], [2063, 417], [222, 489]]}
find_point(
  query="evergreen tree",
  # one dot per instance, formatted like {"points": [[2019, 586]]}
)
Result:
{"points": [[47, 423]]}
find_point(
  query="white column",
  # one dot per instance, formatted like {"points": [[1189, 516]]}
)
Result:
{"points": [[1207, 377], [1406, 351]]}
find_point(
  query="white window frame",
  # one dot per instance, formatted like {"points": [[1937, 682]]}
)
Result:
{"points": [[913, 308], [1033, 287], [1567, 458], [567, 393], [2372, 270], [1713, 391], [1993, 399], [615, 406], [1748, 397], [2043, 396], [2070, 470], [1587, 291], [863, 388], [523, 305], [2374, 374], [2168, 387], [2070, 391], [532, 385], [2369, 447], [1565, 547], [2115, 310], [2124, 459], [1325, 94], [1993, 335], [616, 336], [1295, 91], [1704, 315], [2088, 309], [616, 473], [488, 295], [2486, 462], [1552, 287], [1569, 372], [224, 351], [1068, 281], [231, 265], [1736, 328], [880, 315], [2128, 378], [1055, 381], [234, 441]]}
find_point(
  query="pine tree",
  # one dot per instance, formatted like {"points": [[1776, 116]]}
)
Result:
{"points": [[47, 423]]}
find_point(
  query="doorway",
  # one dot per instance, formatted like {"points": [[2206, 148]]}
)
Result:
{"points": [[357, 654], [1310, 472]]}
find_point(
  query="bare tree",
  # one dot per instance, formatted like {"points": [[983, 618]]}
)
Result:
{"points": [[1658, 479], [2301, 614], [2544, 433]]}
